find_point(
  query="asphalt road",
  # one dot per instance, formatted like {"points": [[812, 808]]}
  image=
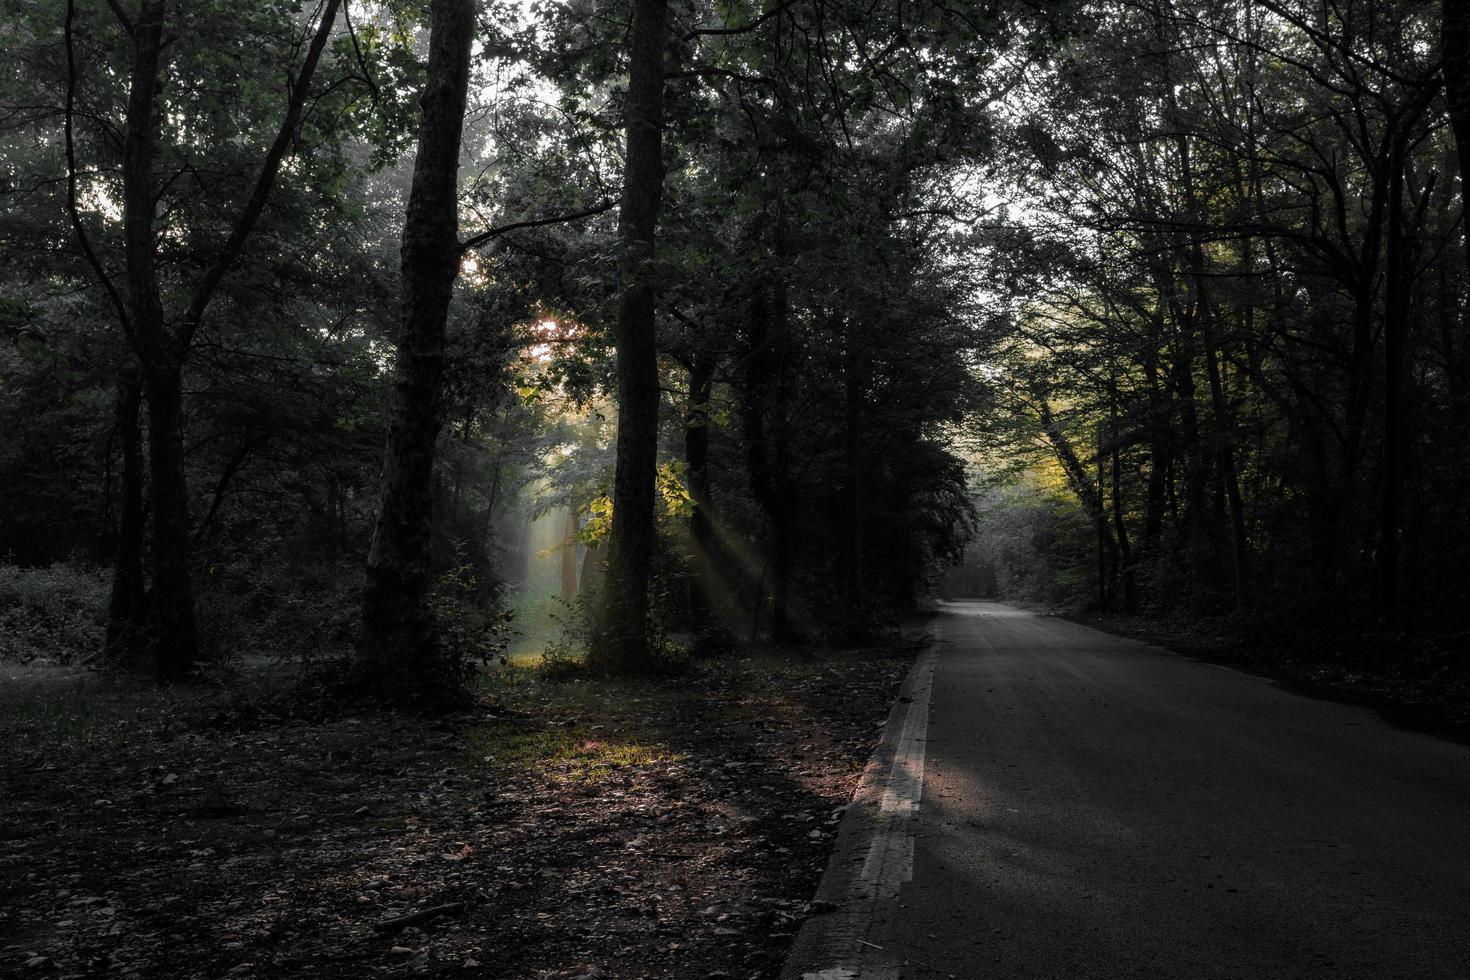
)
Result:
{"points": [[1094, 807]]}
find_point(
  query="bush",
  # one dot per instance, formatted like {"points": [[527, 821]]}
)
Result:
{"points": [[55, 613], [473, 632], [302, 610]]}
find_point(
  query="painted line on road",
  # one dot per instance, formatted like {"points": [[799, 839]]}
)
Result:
{"points": [[881, 823], [890, 860]]}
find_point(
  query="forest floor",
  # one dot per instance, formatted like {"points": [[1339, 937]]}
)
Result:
{"points": [[563, 829], [1420, 683]]}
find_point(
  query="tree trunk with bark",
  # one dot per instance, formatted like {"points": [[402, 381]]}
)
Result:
{"points": [[620, 640], [853, 381], [1455, 67], [171, 623], [701, 524], [173, 634], [127, 604], [398, 653], [1395, 324], [569, 556]]}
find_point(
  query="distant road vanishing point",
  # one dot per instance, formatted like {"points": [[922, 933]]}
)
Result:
{"points": [[1053, 801]]}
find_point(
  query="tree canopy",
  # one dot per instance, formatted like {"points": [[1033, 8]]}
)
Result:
{"points": [[327, 326]]}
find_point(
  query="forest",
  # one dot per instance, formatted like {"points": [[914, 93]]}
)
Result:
{"points": [[569, 379]]}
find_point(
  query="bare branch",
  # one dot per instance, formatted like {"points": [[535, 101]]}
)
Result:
{"points": [[367, 75], [264, 184], [559, 219], [746, 29]]}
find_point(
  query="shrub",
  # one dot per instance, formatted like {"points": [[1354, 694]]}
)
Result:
{"points": [[473, 632], [54, 613]]}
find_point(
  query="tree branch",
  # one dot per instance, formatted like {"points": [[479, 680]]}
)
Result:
{"points": [[117, 11], [723, 31], [71, 176], [367, 75], [499, 230], [264, 184]]}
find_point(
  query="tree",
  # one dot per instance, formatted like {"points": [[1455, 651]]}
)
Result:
{"points": [[1455, 69], [162, 343], [398, 651], [621, 638]]}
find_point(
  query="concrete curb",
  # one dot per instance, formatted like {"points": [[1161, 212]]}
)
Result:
{"points": [[873, 853]]}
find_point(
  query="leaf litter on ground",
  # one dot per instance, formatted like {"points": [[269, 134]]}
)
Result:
{"points": [[631, 830]]}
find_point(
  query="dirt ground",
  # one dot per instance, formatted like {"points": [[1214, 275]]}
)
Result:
{"points": [[563, 829]]}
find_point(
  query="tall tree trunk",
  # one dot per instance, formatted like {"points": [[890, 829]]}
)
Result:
{"points": [[785, 496], [1120, 523], [701, 525], [1159, 438], [398, 651], [569, 556], [171, 608], [620, 641], [1455, 66], [127, 604], [1395, 322], [1204, 317], [764, 424], [852, 544], [173, 633]]}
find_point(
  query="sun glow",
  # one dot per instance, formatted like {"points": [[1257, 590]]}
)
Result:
{"points": [[546, 334]]}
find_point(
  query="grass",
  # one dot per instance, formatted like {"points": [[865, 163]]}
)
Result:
{"points": [[55, 709], [570, 753], [44, 711], [577, 727], [582, 727]]}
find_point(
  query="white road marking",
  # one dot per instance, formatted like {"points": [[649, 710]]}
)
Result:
{"points": [[889, 859]]}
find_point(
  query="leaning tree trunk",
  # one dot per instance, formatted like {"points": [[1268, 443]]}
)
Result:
{"points": [[620, 640], [1088, 492], [398, 652]]}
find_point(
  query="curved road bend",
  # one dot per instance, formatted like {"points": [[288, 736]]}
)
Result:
{"points": [[1095, 807]]}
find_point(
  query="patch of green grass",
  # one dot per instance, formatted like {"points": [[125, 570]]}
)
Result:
{"points": [[583, 727], [46, 711], [576, 726], [577, 754], [526, 658]]}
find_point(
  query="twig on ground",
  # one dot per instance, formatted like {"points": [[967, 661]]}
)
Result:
{"points": [[422, 915]]}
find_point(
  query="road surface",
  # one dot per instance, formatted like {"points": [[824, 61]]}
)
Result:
{"points": [[1052, 801]]}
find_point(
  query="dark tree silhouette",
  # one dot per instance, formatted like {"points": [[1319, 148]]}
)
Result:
{"points": [[398, 650]]}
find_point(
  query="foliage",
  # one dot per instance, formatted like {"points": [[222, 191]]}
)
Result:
{"points": [[934, 286], [472, 633], [53, 613], [1209, 300]]}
